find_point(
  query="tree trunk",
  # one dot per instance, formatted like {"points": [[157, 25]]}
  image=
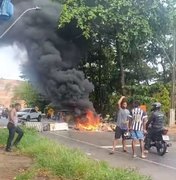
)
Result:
{"points": [[164, 71]]}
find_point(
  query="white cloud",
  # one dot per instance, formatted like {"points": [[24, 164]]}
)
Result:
{"points": [[10, 61]]}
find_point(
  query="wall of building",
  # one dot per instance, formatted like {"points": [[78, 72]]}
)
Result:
{"points": [[7, 87]]}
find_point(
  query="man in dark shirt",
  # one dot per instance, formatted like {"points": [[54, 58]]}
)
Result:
{"points": [[156, 123]]}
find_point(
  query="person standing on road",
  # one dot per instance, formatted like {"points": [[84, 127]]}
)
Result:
{"points": [[13, 127], [137, 125], [122, 124]]}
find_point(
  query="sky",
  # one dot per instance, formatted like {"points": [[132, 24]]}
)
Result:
{"points": [[10, 61]]}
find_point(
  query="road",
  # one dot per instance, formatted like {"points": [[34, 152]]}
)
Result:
{"points": [[97, 145]]}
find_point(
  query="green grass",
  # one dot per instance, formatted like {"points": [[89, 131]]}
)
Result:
{"points": [[64, 162]]}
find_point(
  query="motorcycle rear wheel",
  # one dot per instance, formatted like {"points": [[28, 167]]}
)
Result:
{"points": [[161, 148]]}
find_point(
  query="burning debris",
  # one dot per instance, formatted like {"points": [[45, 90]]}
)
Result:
{"points": [[89, 121], [92, 122], [52, 60]]}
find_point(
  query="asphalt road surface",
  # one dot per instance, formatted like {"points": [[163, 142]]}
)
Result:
{"points": [[97, 145]]}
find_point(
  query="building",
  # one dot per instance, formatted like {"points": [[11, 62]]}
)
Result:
{"points": [[7, 87]]}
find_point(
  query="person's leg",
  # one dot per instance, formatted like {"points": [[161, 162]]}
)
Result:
{"points": [[142, 148], [140, 135], [20, 135], [114, 145], [115, 141], [134, 147], [11, 129], [134, 139], [124, 145], [124, 141]]}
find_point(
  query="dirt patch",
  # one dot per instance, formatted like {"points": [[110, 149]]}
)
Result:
{"points": [[44, 174], [12, 164]]}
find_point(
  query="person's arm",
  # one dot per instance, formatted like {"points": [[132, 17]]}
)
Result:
{"points": [[150, 120], [130, 121], [120, 101], [145, 124]]}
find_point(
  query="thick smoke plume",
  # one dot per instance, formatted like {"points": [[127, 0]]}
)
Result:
{"points": [[52, 61]]}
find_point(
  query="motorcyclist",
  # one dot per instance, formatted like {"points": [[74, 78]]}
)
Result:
{"points": [[154, 124]]}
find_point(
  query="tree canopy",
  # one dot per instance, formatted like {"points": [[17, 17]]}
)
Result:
{"points": [[129, 43]]}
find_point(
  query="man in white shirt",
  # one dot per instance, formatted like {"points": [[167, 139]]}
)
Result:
{"points": [[13, 127], [137, 124]]}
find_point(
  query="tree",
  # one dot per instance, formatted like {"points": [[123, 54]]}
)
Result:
{"points": [[120, 37], [129, 46], [30, 95], [120, 24]]}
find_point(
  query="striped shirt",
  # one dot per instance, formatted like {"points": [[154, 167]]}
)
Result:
{"points": [[137, 117]]}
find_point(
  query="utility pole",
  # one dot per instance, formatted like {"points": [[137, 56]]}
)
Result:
{"points": [[172, 110]]}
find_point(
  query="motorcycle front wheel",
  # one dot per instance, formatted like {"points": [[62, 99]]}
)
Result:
{"points": [[161, 148]]}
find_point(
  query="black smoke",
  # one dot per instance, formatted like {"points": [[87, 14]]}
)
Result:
{"points": [[52, 59]]}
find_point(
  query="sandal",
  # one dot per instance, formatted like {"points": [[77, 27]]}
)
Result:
{"points": [[112, 152], [143, 157], [134, 155]]}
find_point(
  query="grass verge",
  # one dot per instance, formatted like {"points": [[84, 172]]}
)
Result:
{"points": [[58, 162]]}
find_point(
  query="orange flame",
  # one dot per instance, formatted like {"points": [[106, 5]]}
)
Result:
{"points": [[90, 122]]}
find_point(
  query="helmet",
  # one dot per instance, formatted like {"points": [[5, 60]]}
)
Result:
{"points": [[156, 106]]}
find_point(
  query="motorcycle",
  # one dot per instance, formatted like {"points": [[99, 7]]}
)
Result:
{"points": [[161, 141]]}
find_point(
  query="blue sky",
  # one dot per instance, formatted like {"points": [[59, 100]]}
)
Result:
{"points": [[10, 60]]}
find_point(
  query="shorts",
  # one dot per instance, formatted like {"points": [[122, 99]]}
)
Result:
{"points": [[119, 133], [138, 135]]}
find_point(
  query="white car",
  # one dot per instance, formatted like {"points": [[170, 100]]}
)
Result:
{"points": [[1, 112], [28, 114]]}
